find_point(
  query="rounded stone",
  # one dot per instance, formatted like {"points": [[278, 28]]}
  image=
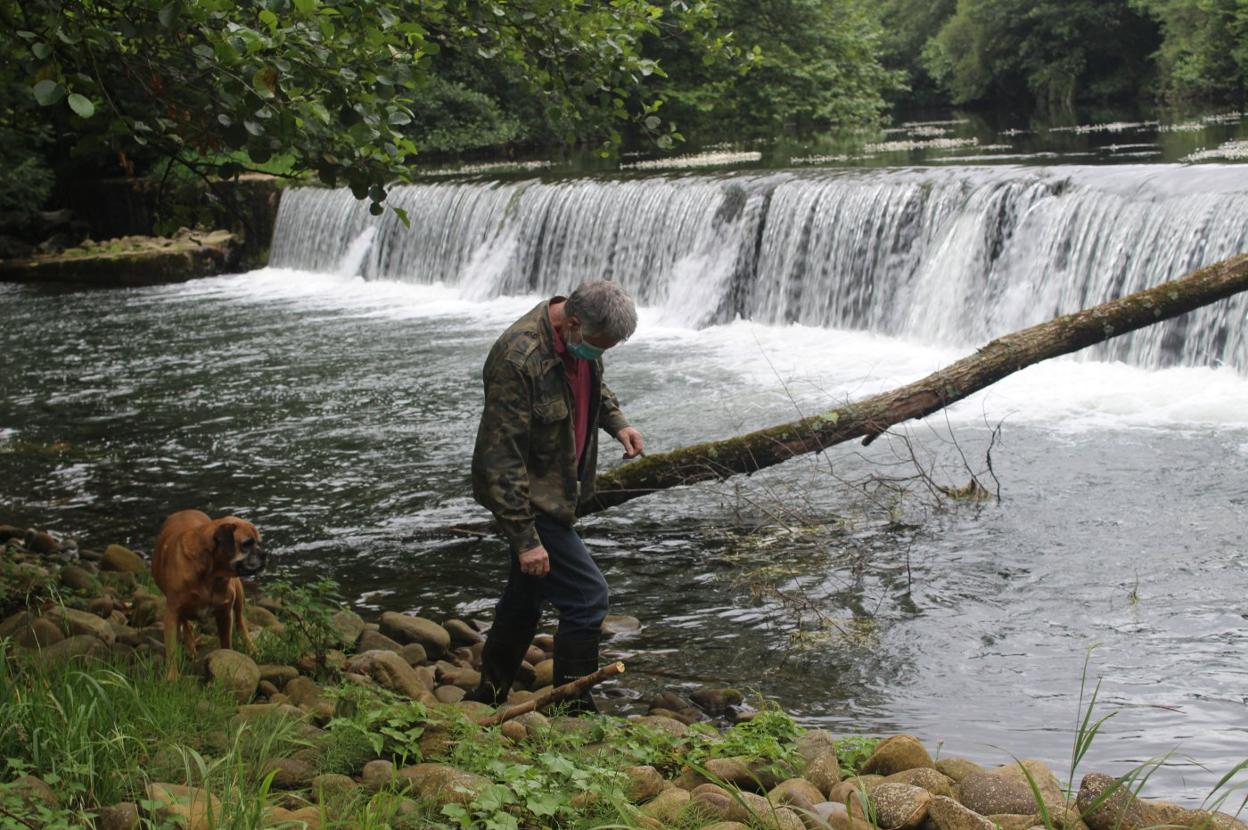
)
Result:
{"points": [[796, 792], [462, 634], [543, 674], [121, 816], [79, 579], [122, 559], [40, 633], [936, 783], [371, 640], [898, 753], [348, 625], [644, 783], [900, 806], [667, 805], [237, 672], [958, 768], [948, 814], [406, 628]]}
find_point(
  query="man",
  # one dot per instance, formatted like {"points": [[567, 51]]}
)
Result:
{"points": [[534, 462]]}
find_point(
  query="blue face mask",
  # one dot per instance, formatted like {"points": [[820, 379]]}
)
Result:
{"points": [[585, 351], [582, 349]]}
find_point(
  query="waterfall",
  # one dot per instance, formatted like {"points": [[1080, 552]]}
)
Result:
{"points": [[953, 256]]}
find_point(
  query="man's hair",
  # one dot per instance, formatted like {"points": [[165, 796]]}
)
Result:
{"points": [[604, 310]]}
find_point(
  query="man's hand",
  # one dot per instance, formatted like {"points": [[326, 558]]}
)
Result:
{"points": [[535, 562], [631, 439]]}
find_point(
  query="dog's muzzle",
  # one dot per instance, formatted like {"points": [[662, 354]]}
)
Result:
{"points": [[251, 564]]}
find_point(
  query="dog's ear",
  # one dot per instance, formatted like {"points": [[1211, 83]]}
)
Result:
{"points": [[224, 538]]}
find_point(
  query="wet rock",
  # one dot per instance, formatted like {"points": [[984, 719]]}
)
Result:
{"points": [[377, 775], [545, 642], [329, 787], [1006, 790], [1120, 809], [81, 647], [667, 805], [192, 807], [948, 814], [898, 753], [934, 782], [122, 560], [39, 633], [616, 625], [958, 768], [79, 579], [376, 641], [526, 676], [236, 671], [121, 816], [900, 806], [644, 783], [390, 671], [443, 784], [348, 626], [716, 701], [462, 634], [409, 629], [278, 675], [796, 792]]}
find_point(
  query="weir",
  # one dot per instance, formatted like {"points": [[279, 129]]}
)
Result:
{"points": [[950, 256]]}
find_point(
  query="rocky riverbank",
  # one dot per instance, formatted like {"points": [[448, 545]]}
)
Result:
{"points": [[132, 260], [342, 722]]}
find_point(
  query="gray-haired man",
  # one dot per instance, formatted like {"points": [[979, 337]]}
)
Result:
{"points": [[534, 462]]}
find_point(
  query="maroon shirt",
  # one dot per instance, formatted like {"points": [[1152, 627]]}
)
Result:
{"points": [[577, 373]]}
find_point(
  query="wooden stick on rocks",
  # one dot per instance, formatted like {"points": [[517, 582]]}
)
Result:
{"points": [[542, 699]]}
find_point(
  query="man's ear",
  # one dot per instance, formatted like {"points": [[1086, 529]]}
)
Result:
{"points": [[224, 538]]}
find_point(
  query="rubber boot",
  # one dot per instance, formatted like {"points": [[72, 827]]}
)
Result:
{"points": [[500, 660], [576, 655]]}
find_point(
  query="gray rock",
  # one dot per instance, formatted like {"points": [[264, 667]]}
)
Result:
{"points": [[409, 629], [618, 625], [1006, 790], [236, 671], [934, 782]]}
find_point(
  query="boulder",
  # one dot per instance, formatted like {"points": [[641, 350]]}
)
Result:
{"points": [[796, 792], [644, 783], [376, 641], [377, 775], [669, 725], [121, 816], [734, 772], [898, 753], [444, 784], [193, 808], [958, 768], [40, 633], [1120, 809], [44, 544], [77, 622], [513, 731], [948, 814], [710, 801], [348, 626], [236, 671], [462, 634], [291, 773], [390, 671], [277, 674], [1006, 790], [122, 560], [667, 805], [414, 654], [716, 701], [900, 806], [824, 771], [79, 579], [449, 694], [543, 674], [36, 789], [934, 782], [81, 647], [329, 787], [406, 628]]}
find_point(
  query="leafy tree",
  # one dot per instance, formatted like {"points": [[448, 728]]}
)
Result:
{"points": [[909, 26], [797, 65], [1204, 54], [345, 88], [1050, 52]]}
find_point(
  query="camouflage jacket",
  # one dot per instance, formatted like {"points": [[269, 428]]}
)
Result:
{"points": [[525, 458]]}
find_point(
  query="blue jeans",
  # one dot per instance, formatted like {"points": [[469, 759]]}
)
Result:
{"points": [[575, 586]]}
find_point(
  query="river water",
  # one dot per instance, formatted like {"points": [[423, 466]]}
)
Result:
{"points": [[333, 398]]}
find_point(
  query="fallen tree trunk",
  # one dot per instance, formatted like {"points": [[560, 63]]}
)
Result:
{"points": [[870, 417], [553, 694]]}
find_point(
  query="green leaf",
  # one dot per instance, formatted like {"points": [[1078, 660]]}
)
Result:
{"points": [[168, 15], [653, 122], [265, 82], [403, 217], [268, 18], [399, 118], [48, 92], [41, 50], [81, 105], [305, 7]]}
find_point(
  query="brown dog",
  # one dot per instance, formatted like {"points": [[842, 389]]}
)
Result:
{"points": [[197, 563]]}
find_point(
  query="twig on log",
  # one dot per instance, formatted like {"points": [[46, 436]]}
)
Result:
{"points": [[568, 690]]}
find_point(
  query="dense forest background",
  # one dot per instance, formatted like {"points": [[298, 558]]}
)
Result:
{"points": [[362, 93]]}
